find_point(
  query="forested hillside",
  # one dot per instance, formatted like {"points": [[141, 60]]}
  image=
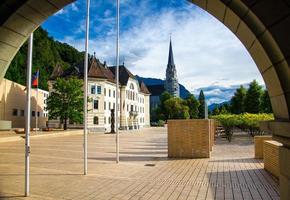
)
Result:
{"points": [[46, 54]]}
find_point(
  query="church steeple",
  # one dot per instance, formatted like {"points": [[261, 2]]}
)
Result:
{"points": [[170, 57], [171, 82]]}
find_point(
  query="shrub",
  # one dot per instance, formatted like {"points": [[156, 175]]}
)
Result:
{"points": [[246, 121]]}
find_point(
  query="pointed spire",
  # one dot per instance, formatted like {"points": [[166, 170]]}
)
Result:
{"points": [[170, 57]]}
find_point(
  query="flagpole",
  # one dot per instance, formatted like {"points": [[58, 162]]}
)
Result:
{"points": [[117, 80], [27, 115], [86, 90], [36, 122]]}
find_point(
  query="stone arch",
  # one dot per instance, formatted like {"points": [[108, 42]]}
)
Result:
{"points": [[262, 26]]}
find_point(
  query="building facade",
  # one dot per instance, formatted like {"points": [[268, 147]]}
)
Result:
{"points": [[13, 102], [134, 102], [171, 82]]}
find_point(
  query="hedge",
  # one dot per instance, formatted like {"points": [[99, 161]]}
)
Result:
{"points": [[246, 121]]}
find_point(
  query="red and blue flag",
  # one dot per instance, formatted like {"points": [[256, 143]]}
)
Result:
{"points": [[35, 79]]}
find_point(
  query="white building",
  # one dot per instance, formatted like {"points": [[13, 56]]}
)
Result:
{"points": [[134, 111]]}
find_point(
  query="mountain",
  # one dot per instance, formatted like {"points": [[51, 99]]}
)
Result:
{"points": [[155, 81], [47, 52], [214, 105]]}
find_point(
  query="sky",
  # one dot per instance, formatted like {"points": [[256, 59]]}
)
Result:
{"points": [[206, 53]]}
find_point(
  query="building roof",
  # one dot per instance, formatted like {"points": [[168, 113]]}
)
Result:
{"points": [[156, 90], [124, 74], [143, 88], [99, 70]]}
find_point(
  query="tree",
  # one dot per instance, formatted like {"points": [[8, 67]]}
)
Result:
{"points": [[176, 108], [46, 54], [266, 106], [201, 108], [66, 101], [161, 111], [193, 105], [215, 111], [224, 109], [253, 98], [238, 101]]}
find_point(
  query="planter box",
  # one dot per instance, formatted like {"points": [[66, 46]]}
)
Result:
{"points": [[190, 138], [271, 157], [259, 144]]}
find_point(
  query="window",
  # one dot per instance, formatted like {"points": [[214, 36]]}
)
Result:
{"points": [[96, 120], [109, 105], [105, 91], [105, 120], [38, 114], [22, 113], [93, 89], [96, 104], [14, 112], [33, 113], [99, 90], [128, 108], [132, 108], [109, 93], [114, 93], [109, 120], [132, 86], [105, 105], [113, 105]]}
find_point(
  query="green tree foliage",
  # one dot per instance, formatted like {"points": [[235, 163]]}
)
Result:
{"points": [[176, 108], [161, 111], [246, 121], [238, 101], [201, 108], [215, 111], [224, 109], [193, 105], [46, 54], [253, 98], [266, 106], [66, 100]]}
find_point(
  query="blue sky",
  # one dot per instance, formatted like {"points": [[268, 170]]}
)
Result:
{"points": [[206, 53]]}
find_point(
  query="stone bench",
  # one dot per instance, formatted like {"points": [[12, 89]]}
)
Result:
{"points": [[271, 157], [259, 143]]}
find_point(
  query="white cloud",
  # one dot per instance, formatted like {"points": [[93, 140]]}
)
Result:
{"points": [[205, 51]]}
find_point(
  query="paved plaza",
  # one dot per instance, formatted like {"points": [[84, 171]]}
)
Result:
{"points": [[144, 172]]}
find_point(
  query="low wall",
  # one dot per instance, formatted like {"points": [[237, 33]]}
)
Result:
{"points": [[259, 144], [271, 157], [190, 138]]}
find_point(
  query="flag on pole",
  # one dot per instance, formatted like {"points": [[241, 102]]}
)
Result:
{"points": [[35, 79]]}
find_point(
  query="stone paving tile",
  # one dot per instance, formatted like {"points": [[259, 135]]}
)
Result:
{"points": [[144, 172]]}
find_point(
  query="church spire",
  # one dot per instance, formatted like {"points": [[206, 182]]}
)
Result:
{"points": [[171, 82], [170, 57]]}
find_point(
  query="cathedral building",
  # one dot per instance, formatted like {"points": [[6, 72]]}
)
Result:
{"points": [[171, 82], [170, 85]]}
